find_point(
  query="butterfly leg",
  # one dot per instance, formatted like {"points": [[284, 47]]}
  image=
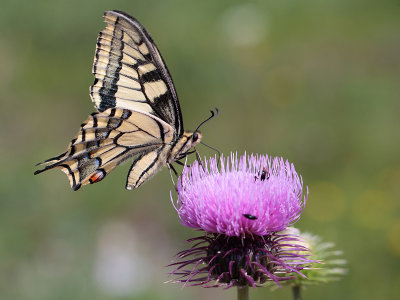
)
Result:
{"points": [[199, 159], [171, 168], [180, 163]]}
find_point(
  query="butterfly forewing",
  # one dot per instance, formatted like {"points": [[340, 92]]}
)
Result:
{"points": [[130, 72]]}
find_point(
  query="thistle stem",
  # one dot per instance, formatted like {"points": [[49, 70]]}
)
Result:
{"points": [[296, 292], [243, 293]]}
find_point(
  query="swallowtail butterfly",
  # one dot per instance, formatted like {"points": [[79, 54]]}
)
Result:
{"points": [[138, 115]]}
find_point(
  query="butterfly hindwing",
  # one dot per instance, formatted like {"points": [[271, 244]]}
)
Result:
{"points": [[105, 140], [130, 72]]}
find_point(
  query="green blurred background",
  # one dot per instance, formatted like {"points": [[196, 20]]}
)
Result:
{"points": [[317, 82]]}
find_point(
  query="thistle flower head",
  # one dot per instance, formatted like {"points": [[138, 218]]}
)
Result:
{"points": [[250, 195], [331, 266], [240, 207]]}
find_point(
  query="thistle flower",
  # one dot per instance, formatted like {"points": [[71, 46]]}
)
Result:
{"points": [[240, 207], [331, 266]]}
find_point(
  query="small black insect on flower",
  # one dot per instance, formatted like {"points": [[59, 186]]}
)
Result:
{"points": [[264, 175], [250, 217]]}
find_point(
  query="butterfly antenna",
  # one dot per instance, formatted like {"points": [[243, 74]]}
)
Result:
{"points": [[216, 150], [213, 114]]}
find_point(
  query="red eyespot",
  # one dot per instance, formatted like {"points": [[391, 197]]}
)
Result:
{"points": [[96, 177]]}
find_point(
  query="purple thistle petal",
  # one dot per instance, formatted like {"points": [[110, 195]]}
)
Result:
{"points": [[231, 263], [218, 200]]}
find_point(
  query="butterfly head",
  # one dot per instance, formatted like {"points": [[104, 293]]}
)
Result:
{"points": [[191, 140], [186, 142], [196, 138]]}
